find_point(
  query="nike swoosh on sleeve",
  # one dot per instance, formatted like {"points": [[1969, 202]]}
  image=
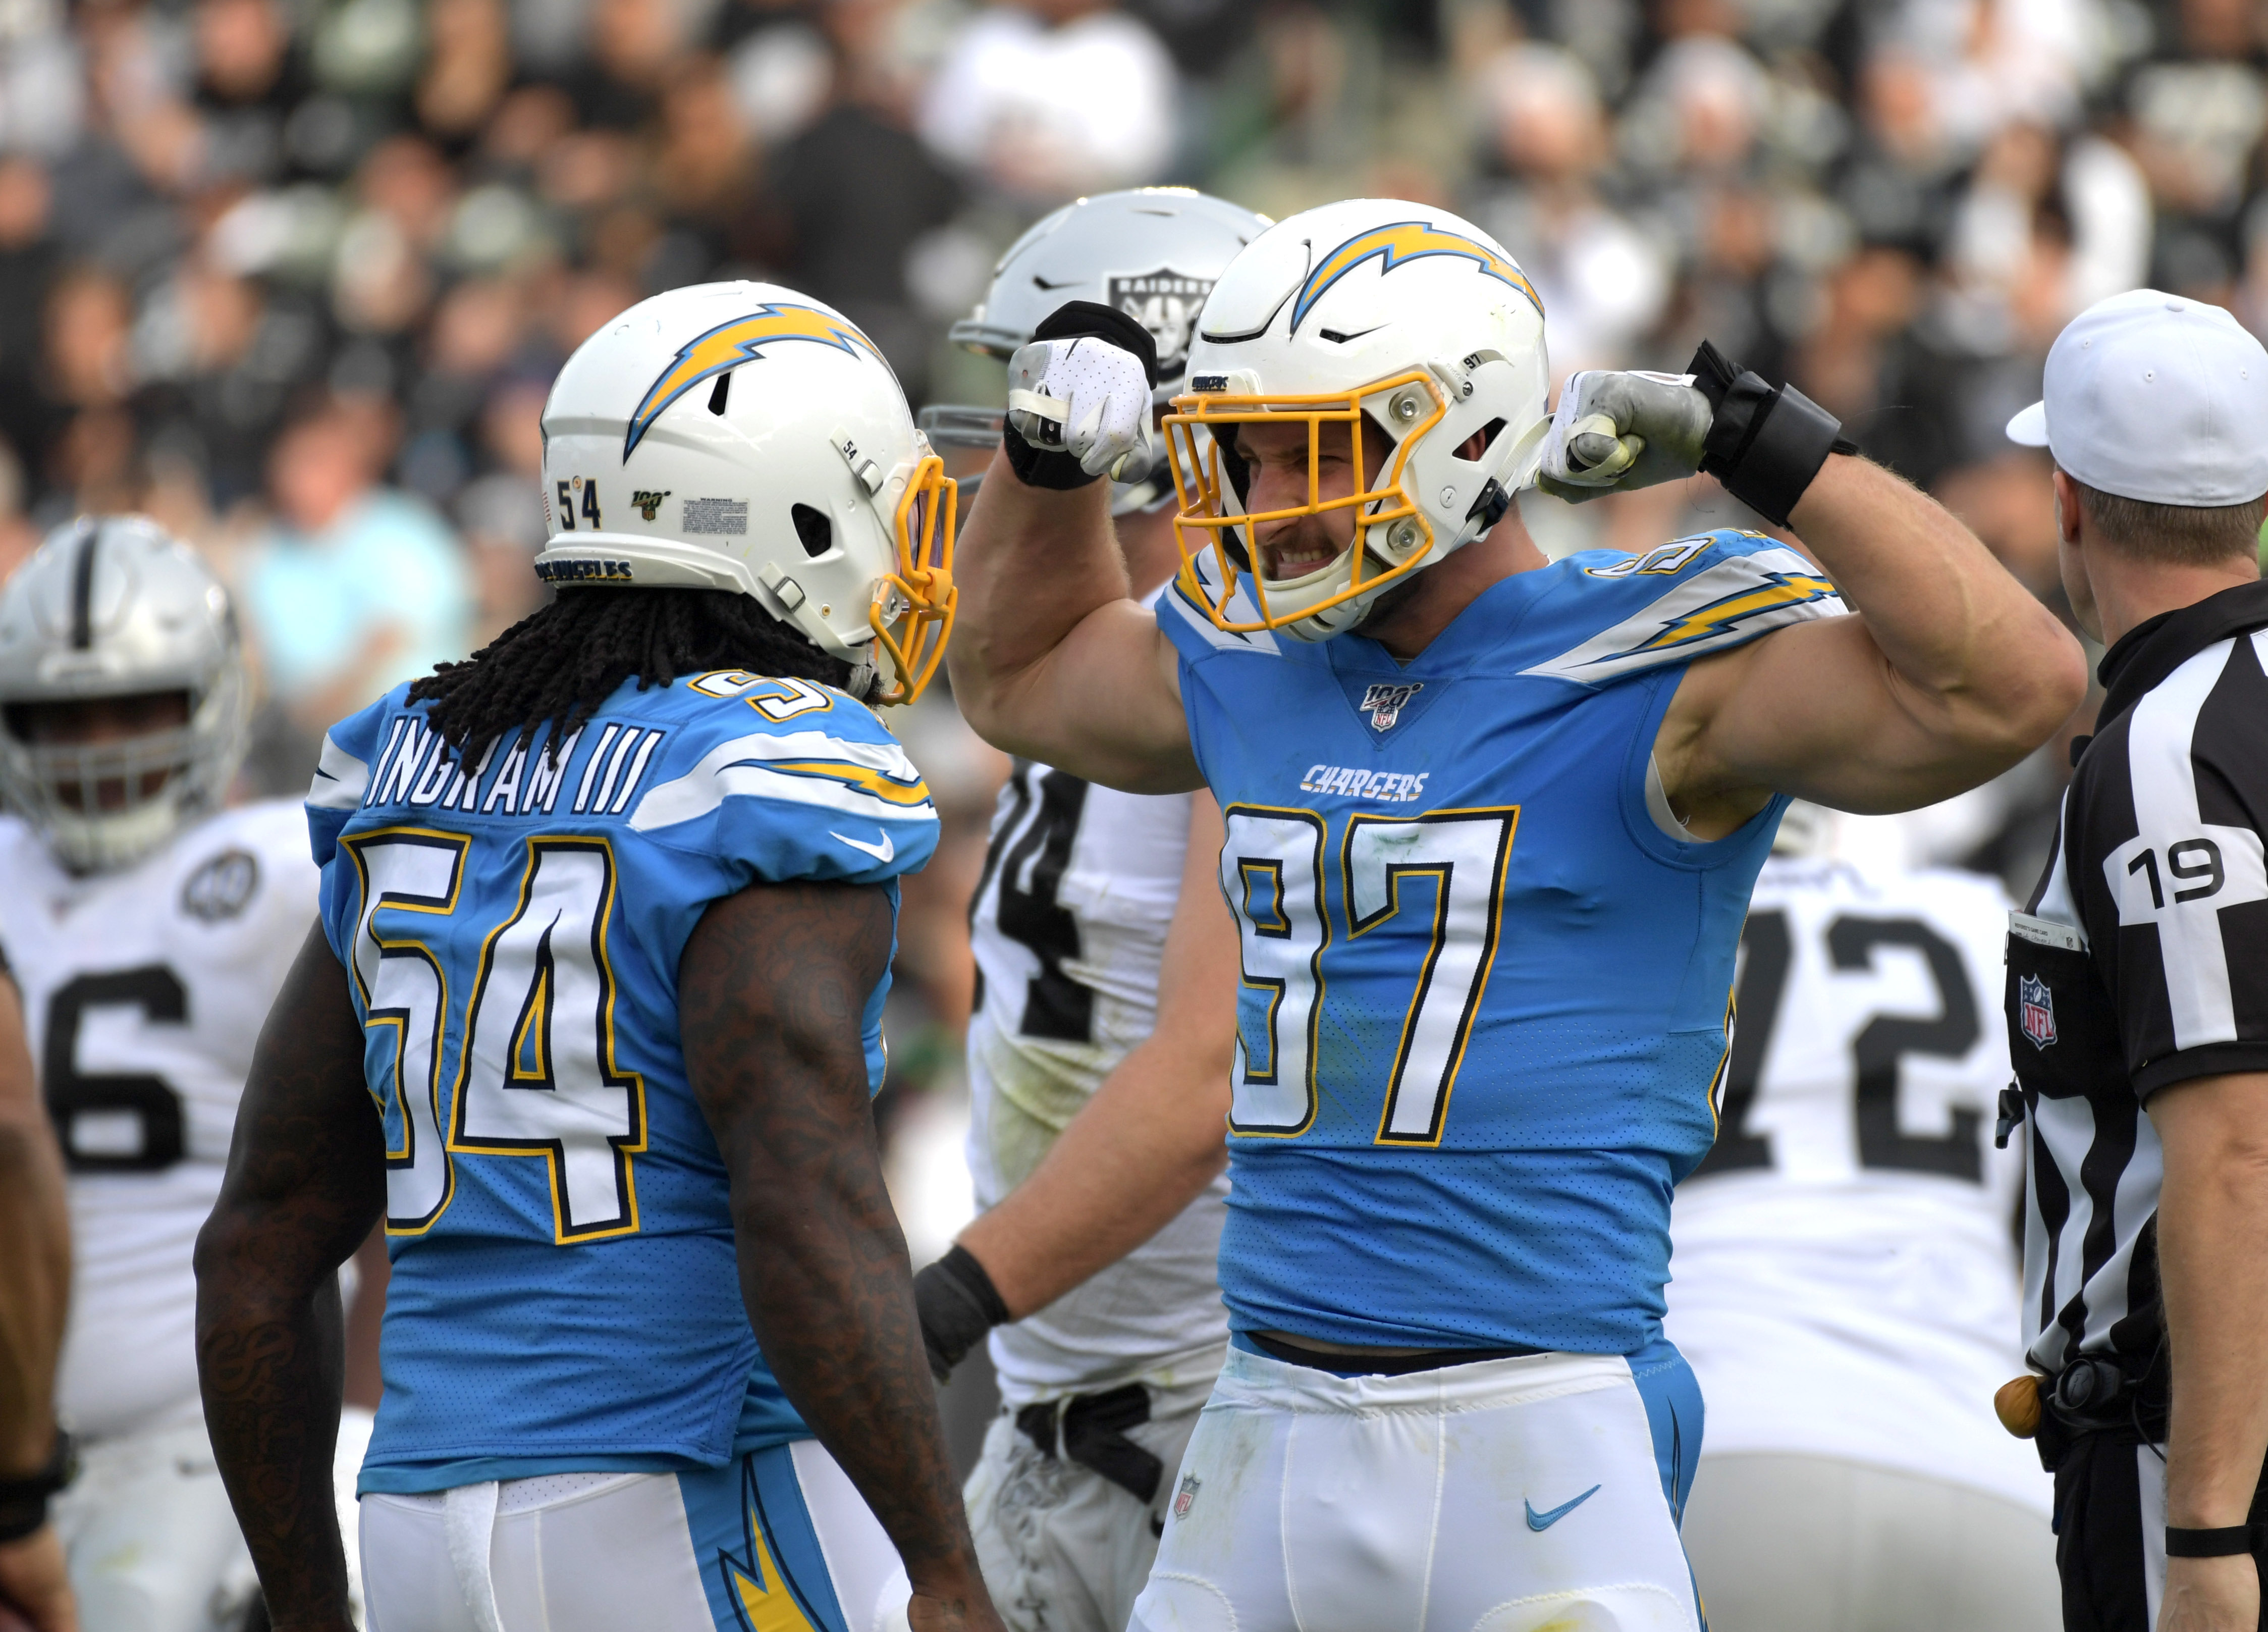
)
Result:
{"points": [[884, 852], [1544, 1521]]}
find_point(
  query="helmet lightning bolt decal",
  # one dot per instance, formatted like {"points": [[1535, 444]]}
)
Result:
{"points": [[728, 345], [1398, 245]]}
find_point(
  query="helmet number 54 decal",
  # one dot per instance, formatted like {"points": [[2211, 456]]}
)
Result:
{"points": [[567, 489]]}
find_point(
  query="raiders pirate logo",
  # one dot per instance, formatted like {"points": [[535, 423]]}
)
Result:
{"points": [[221, 888], [1384, 703], [2035, 1007], [1166, 304]]}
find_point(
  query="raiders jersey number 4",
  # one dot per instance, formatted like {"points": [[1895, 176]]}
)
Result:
{"points": [[1844, 1278], [144, 991], [1069, 929]]}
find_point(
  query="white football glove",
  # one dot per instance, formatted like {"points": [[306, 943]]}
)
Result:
{"points": [[1087, 398], [1614, 433]]}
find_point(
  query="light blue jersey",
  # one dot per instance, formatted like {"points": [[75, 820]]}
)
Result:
{"points": [[1485, 994], [565, 1293]]}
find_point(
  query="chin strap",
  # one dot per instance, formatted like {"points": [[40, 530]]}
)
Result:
{"points": [[1491, 505]]}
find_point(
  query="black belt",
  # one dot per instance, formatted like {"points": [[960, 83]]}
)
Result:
{"points": [[2096, 1392], [1381, 1365], [1093, 1430]]}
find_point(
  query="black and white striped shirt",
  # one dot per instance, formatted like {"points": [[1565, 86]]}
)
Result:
{"points": [[2142, 960]]}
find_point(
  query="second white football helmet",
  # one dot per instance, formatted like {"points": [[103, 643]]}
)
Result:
{"points": [[1153, 253], [1400, 321], [743, 437], [114, 607]]}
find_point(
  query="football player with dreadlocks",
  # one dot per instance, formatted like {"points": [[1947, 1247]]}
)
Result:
{"points": [[147, 929], [607, 914], [1492, 823]]}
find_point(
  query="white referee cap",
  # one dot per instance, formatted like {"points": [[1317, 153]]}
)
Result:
{"points": [[2155, 397]]}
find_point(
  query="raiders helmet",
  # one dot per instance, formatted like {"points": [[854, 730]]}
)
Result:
{"points": [[1153, 253], [114, 607]]}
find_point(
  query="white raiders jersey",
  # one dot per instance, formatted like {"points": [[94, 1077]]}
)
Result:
{"points": [[1845, 1272], [144, 991], [1069, 929]]}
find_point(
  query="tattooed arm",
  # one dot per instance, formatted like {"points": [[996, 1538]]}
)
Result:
{"points": [[306, 1181], [770, 994]]}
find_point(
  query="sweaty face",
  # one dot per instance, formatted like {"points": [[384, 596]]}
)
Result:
{"points": [[102, 722], [1276, 456]]}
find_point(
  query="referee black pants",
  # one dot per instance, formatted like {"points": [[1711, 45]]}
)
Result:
{"points": [[2108, 1549]]}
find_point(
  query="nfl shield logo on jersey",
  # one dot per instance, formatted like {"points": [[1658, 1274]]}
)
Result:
{"points": [[1384, 703], [1186, 1497], [2038, 1011]]}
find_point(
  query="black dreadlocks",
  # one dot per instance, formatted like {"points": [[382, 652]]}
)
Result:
{"points": [[559, 664]]}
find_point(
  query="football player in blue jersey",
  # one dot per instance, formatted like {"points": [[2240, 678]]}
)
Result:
{"points": [[592, 1019], [1491, 827]]}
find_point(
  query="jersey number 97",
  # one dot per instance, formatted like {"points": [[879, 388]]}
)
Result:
{"points": [[1446, 869]]}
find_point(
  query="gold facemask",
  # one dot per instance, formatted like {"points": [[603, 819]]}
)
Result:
{"points": [[1411, 399], [913, 608]]}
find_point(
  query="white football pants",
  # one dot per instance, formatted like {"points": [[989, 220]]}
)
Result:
{"points": [[1062, 1548], [151, 1540], [777, 1540], [1820, 1544], [1505, 1495]]}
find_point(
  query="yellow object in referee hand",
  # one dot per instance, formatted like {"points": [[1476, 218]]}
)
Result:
{"points": [[2017, 1404]]}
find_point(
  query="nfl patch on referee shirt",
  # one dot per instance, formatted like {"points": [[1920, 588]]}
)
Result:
{"points": [[2035, 1008]]}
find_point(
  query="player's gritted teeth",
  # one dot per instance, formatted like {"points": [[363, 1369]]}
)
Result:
{"points": [[1277, 457], [1302, 552]]}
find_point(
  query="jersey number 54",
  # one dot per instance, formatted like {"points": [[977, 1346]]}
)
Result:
{"points": [[533, 1069]]}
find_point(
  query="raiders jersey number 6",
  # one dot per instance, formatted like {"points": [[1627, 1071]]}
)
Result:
{"points": [[145, 989]]}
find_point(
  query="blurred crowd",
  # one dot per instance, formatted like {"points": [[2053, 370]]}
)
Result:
{"points": [[294, 274]]}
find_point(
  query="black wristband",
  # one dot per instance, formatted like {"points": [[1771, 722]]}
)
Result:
{"points": [[2224, 1543], [24, 1501], [1765, 443], [958, 1304], [1051, 468]]}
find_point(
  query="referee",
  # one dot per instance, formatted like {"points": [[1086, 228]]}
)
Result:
{"points": [[2137, 983]]}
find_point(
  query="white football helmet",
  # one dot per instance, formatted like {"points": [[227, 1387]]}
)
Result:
{"points": [[1153, 253], [744, 437], [114, 607], [1400, 321]]}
